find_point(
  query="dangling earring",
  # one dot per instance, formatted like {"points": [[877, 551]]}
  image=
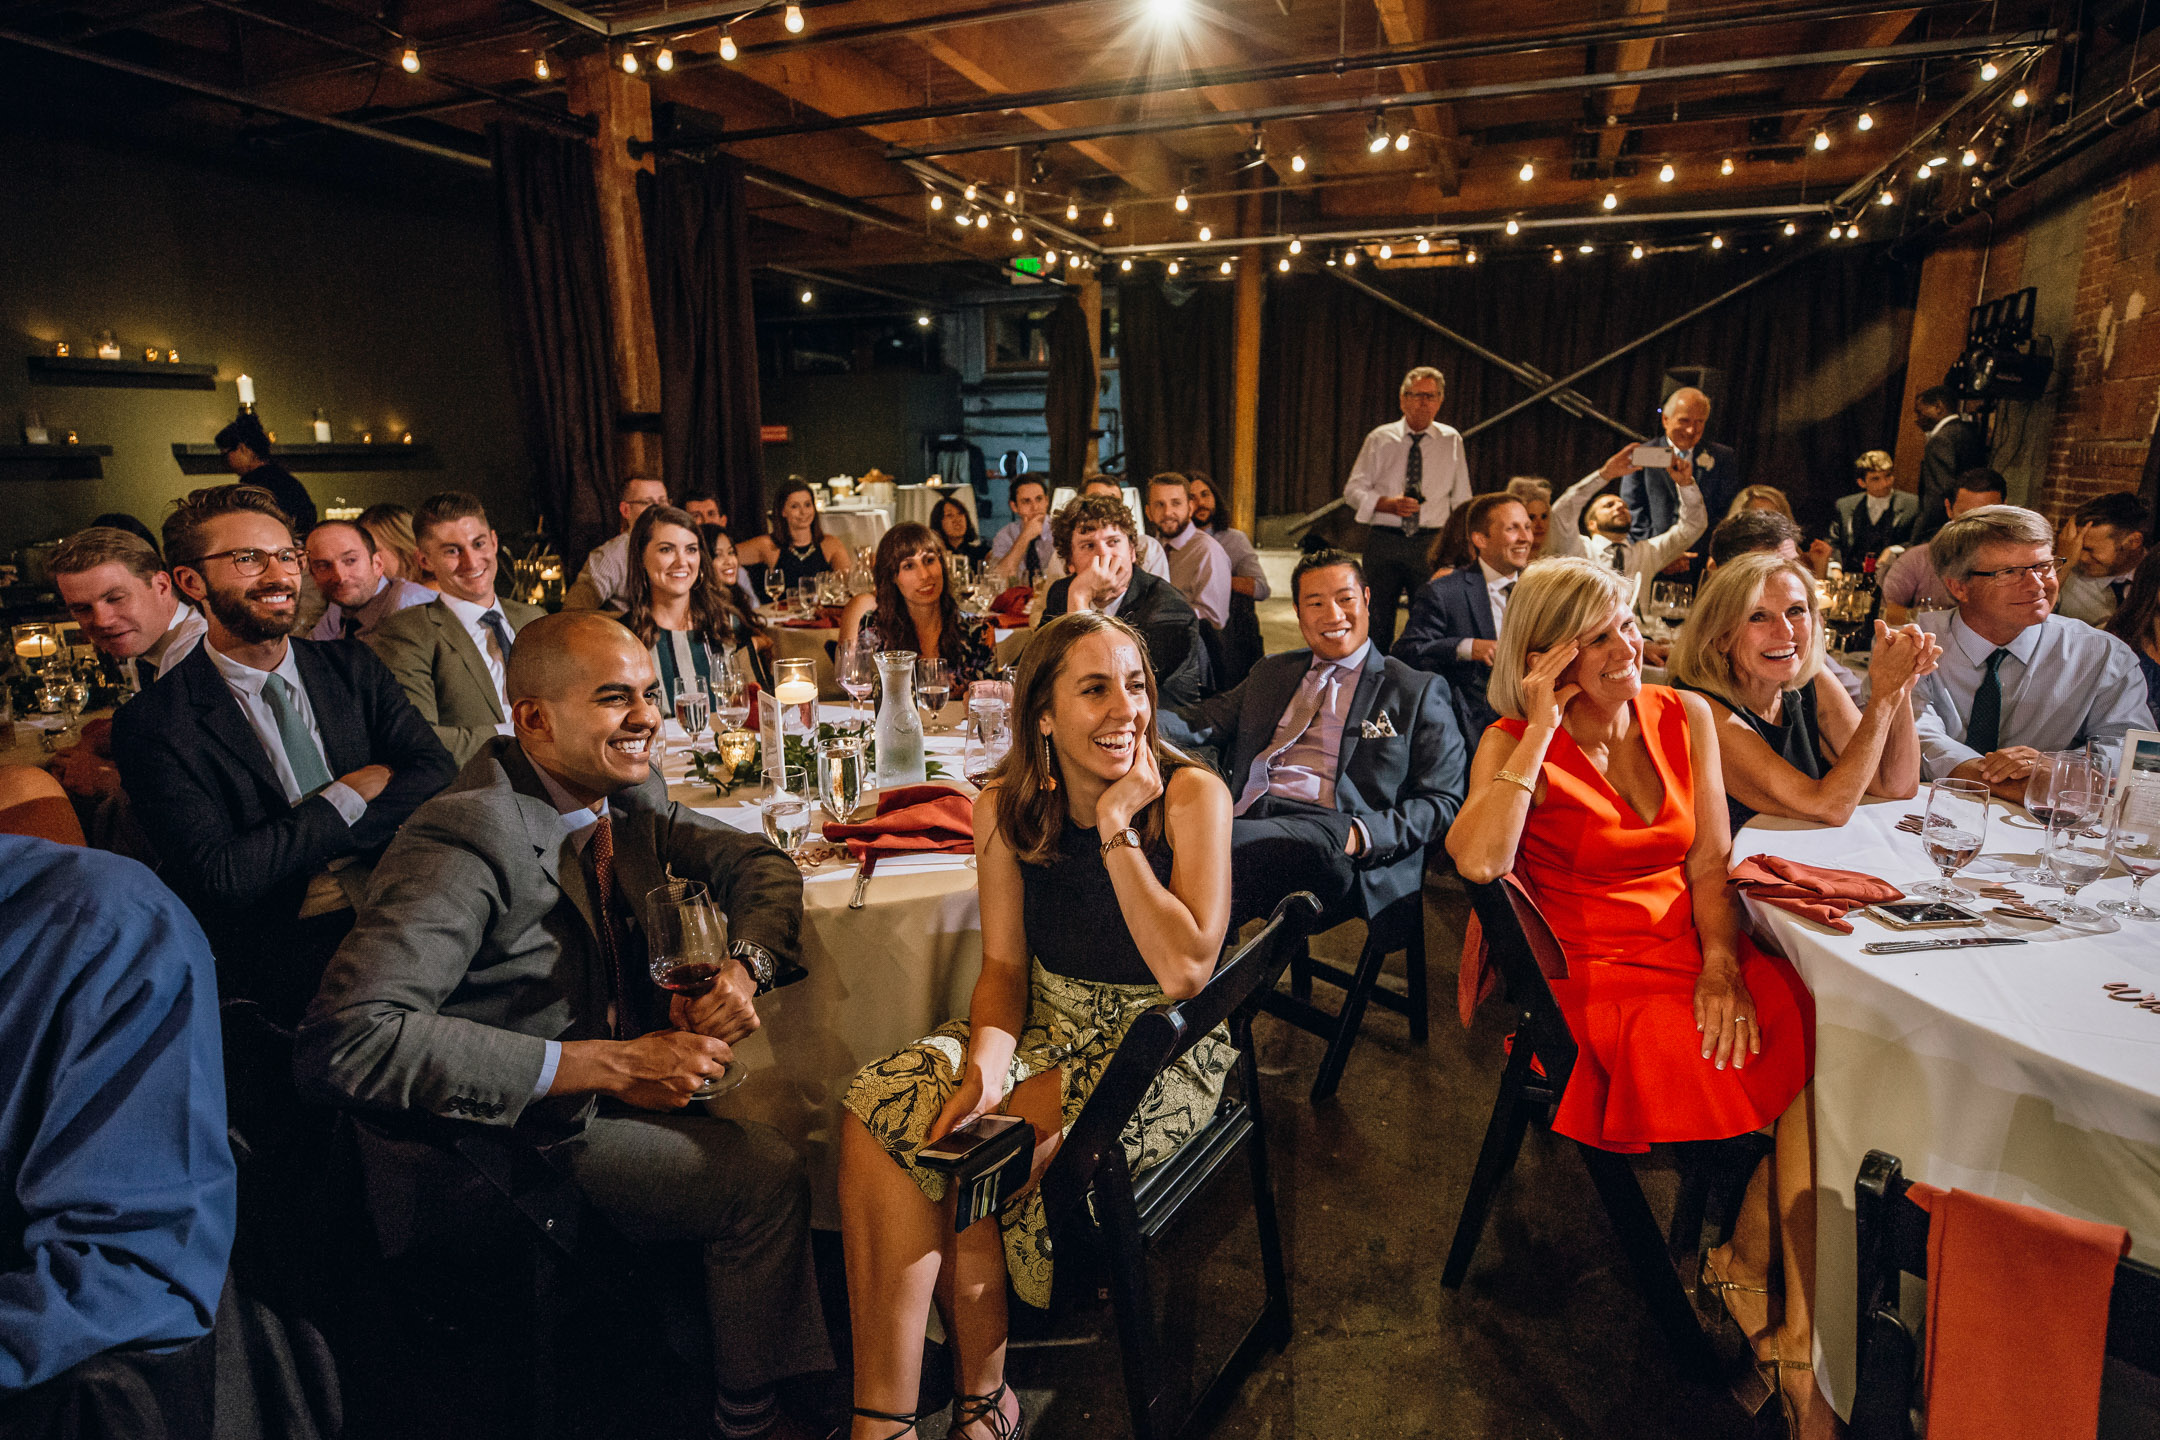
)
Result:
{"points": [[1049, 766]]}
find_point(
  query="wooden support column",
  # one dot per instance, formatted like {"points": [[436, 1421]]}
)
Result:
{"points": [[1089, 294], [1245, 375], [1949, 288], [622, 106]]}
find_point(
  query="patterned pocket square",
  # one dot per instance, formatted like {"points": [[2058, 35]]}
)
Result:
{"points": [[1379, 729]]}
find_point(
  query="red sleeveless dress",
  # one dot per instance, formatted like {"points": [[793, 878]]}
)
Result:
{"points": [[1615, 892]]}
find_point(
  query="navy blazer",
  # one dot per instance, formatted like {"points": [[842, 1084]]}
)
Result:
{"points": [[1405, 788], [1454, 608], [1654, 501], [199, 781]]}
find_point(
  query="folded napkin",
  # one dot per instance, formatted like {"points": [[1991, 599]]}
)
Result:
{"points": [[1812, 891], [1010, 609], [2017, 1315], [913, 820]]}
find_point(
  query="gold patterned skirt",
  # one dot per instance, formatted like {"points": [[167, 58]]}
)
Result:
{"points": [[1073, 1027]]}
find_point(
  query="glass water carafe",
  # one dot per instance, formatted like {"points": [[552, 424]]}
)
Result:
{"points": [[899, 728]]}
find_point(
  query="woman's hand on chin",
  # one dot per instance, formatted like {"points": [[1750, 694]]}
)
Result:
{"points": [[1131, 792]]}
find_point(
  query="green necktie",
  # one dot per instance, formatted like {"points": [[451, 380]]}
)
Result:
{"points": [[1984, 730], [300, 750]]}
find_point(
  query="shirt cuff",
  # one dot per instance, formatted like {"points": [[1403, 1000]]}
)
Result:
{"points": [[1462, 647], [1364, 838], [345, 800], [547, 1068]]}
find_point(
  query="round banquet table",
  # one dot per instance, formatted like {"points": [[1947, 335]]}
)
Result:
{"points": [[861, 526], [2005, 1071], [879, 977]]}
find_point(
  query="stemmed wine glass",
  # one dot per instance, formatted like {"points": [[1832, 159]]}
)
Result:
{"points": [[2076, 855], [989, 739], [775, 584], [692, 706], [933, 686], [730, 700], [686, 951], [840, 775], [2136, 836], [2059, 782], [857, 673], [786, 812], [1953, 830]]}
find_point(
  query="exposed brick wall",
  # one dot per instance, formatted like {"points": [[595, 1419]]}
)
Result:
{"points": [[2111, 366]]}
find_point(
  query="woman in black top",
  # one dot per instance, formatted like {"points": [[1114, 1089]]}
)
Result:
{"points": [[797, 544], [1104, 870], [956, 527], [1790, 740], [910, 607]]}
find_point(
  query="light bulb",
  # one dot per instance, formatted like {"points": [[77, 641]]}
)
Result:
{"points": [[665, 60], [1125, 264], [1225, 267], [1725, 166], [1822, 139], [1173, 267], [727, 46], [969, 193], [1050, 257], [1527, 173], [1378, 142], [410, 61], [1072, 210], [1349, 257], [1837, 232], [1988, 70], [1282, 264], [1297, 247], [1181, 203], [1018, 234], [1612, 200], [629, 62], [806, 297], [1469, 257], [792, 18], [1402, 141], [1424, 246], [1297, 163], [1207, 233], [1865, 122], [2019, 98], [1938, 161], [963, 219], [1635, 253], [1557, 257], [1665, 174], [937, 202], [1791, 229], [1514, 226], [1923, 173], [1717, 242], [1886, 198], [1109, 219], [540, 68], [1969, 159], [1012, 197], [982, 220], [1852, 232], [1583, 248], [1387, 252], [923, 320]]}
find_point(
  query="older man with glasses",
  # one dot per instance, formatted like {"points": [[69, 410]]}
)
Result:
{"points": [[2016, 680]]}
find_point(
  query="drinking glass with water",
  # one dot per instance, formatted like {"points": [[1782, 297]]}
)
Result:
{"points": [[1953, 830]]}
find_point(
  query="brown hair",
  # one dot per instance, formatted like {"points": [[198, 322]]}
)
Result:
{"points": [[1090, 512], [2133, 619], [710, 614], [784, 537], [104, 545], [895, 625], [1031, 798], [444, 506], [183, 528]]}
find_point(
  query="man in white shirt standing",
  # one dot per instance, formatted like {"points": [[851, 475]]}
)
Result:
{"points": [[117, 589], [600, 585], [1198, 565], [1607, 539], [1410, 474]]}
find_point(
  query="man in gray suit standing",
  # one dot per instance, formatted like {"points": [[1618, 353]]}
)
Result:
{"points": [[497, 975]]}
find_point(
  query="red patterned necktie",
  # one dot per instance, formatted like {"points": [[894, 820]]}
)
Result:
{"points": [[602, 850]]}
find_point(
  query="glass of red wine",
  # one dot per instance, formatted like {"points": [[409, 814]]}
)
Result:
{"points": [[687, 949]]}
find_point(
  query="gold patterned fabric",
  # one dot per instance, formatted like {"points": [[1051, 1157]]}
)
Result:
{"points": [[1073, 1027]]}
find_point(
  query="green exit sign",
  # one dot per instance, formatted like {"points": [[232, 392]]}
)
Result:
{"points": [[1028, 264]]}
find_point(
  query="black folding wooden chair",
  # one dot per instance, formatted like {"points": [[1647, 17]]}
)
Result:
{"points": [[1522, 947], [1893, 1239], [1398, 927], [1090, 1191]]}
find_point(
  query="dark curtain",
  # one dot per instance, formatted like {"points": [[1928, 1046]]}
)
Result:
{"points": [[1069, 397], [698, 262], [555, 292], [1812, 366], [1175, 376]]}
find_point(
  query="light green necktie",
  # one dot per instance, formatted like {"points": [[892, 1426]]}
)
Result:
{"points": [[301, 752]]}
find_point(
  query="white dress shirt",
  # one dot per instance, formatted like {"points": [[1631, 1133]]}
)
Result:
{"points": [[1877, 507], [1497, 589], [2062, 684], [1377, 474], [468, 615], [1640, 559], [1201, 572], [183, 632]]}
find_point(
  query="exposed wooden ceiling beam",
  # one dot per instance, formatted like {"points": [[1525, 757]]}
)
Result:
{"points": [[1620, 101], [1405, 24]]}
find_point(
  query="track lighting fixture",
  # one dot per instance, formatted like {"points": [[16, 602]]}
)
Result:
{"points": [[1402, 140], [1376, 133]]}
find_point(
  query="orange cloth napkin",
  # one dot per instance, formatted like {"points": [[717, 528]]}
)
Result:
{"points": [[913, 820], [1812, 891], [2017, 1315], [1010, 609]]}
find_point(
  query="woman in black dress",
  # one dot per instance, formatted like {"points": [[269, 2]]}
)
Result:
{"points": [[910, 607], [797, 544], [1104, 870], [1790, 740], [956, 527]]}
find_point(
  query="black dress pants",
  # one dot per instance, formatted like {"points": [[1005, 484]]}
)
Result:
{"points": [[1282, 846], [1395, 569]]}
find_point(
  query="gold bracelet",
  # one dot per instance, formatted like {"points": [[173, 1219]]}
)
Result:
{"points": [[1514, 779]]}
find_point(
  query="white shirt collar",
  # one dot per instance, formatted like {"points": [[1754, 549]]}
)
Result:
{"points": [[468, 613], [1493, 578], [1355, 660], [577, 818], [1976, 647], [247, 678]]}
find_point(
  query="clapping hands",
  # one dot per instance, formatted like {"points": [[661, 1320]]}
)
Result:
{"points": [[1902, 654]]}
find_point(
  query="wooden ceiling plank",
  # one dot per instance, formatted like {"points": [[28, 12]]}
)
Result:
{"points": [[1405, 23]]}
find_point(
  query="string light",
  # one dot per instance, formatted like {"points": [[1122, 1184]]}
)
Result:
{"points": [[1557, 257], [1612, 200], [1297, 163], [969, 193], [1350, 256], [1717, 242], [1725, 166], [806, 297], [1424, 246], [1527, 173], [1181, 203], [1865, 122], [1072, 210], [1226, 267], [629, 62], [1173, 267], [1282, 264], [1207, 233], [1852, 232], [410, 61], [1387, 252], [1886, 198], [1012, 197], [1584, 248], [1988, 70], [728, 51], [540, 66], [1837, 232], [1665, 173], [1125, 264], [1297, 247], [665, 60], [2019, 99], [982, 219], [792, 18], [1050, 259], [1822, 139], [1514, 226], [1109, 219], [1469, 257], [1969, 159], [1402, 141], [1018, 234], [1635, 253], [1923, 173], [1791, 229], [937, 201]]}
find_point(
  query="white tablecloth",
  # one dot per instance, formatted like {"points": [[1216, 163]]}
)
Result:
{"points": [[860, 526], [879, 977], [915, 502], [2003, 1071]]}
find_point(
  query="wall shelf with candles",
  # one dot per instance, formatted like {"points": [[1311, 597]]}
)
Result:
{"points": [[53, 462], [209, 460], [124, 374]]}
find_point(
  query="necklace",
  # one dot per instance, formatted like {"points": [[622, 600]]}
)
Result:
{"points": [[802, 552]]}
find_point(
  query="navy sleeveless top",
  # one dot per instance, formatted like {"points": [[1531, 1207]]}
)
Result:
{"points": [[1073, 922]]}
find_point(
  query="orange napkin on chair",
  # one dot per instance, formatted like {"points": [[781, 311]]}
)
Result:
{"points": [[2017, 1318], [1812, 891], [913, 820]]}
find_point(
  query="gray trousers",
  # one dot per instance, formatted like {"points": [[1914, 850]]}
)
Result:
{"points": [[738, 1188]]}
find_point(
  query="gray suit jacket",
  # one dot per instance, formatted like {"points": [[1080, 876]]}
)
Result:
{"points": [[477, 944], [443, 672]]}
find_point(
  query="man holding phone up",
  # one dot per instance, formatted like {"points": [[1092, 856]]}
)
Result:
{"points": [[1650, 485], [1604, 534]]}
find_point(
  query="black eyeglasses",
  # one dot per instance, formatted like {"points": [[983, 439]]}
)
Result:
{"points": [[249, 562], [2039, 572]]}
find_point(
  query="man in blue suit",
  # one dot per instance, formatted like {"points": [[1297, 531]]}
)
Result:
{"points": [[1344, 765], [1455, 620], [1651, 495]]}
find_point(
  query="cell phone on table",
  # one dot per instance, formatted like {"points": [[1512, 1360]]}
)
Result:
{"points": [[1651, 457], [1923, 914]]}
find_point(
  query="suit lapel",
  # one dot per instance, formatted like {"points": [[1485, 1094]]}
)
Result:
{"points": [[220, 715], [559, 859], [1361, 705], [460, 640], [1480, 600], [1275, 684]]}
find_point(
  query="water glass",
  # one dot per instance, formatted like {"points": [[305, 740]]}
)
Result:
{"points": [[856, 670], [1953, 831], [806, 595], [840, 775], [989, 740], [933, 687], [692, 706], [730, 700], [775, 583], [786, 811], [2135, 832], [2076, 856], [2061, 781]]}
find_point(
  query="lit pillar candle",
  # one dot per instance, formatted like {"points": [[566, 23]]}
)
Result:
{"points": [[37, 647], [247, 390]]}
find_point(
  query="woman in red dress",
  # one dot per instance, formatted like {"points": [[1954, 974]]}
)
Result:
{"points": [[1604, 798]]}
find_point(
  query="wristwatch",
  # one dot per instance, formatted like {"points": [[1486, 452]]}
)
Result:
{"points": [[758, 961], [1126, 836]]}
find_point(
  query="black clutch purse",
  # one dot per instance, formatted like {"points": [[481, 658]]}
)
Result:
{"points": [[988, 1160]]}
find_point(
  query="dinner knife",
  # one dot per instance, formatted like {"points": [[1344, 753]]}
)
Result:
{"points": [[1906, 947], [862, 878]]}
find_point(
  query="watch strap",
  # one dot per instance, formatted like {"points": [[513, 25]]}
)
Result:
{"points": [[1124, 837]]}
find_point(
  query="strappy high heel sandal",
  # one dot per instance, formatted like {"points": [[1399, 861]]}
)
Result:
{"points": [[967, 1409], [907, 1423], [1773, 1373], [1708, 1280]]}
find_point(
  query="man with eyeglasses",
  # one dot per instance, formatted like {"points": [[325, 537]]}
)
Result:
{"points": [[2016, 680], [268, 772], [1408, 478]]}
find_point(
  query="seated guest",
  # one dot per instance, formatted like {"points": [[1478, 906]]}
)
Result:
{"points": [[348, 569], [798, 543], [1022, 551], [1095, 538], [1450, 549], [606, 573], [704, 507], [2136, 623], [267, 771], [1879, 516], [391, 525], [1790, 739], [2016, 680], [1198, 566], [1765, 532], [954, 524], [692, 625], [1535, 493], [497, 976], [1345, 763], [1211, 512], [449, 655], [1455, 620], [246, 448], [116, 587], [910, 607], [1602, 535], [2100, 545], [120, 1182], [1105, 879], [1760, 497], [1148, 553], [726, 569], [1912, 587], [1603, 796]]}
